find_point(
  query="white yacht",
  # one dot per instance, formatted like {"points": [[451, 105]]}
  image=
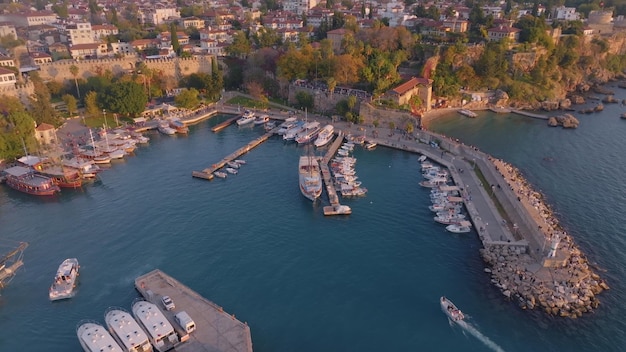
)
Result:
{"points": [[246, 118], [291, 133], [325, 136], [159, 330], [310, 132], [286, 125], [126, 331], [93, 337], [310, 177], [64, 280]]}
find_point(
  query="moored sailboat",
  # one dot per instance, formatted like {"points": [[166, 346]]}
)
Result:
{"points": [[310, 178]]}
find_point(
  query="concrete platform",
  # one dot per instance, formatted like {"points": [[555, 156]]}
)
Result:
{"points": [[216, 330]]}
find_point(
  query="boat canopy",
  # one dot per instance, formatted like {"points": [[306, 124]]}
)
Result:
{"points": [[465, 223], [448, 188], [18, 171], [455, 199]]}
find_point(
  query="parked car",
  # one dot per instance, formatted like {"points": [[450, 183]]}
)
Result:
{"points": [[167, 302]]}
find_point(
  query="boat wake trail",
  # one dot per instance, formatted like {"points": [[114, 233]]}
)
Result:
{"points": [[477, 334]]}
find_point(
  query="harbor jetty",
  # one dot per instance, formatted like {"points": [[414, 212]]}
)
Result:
{"points": [[207, 173], [529, 114], [335, 208], [216, 330], [530, 258]]}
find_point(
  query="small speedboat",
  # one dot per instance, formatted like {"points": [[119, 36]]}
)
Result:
{"points": [[370, 145], [231, 171], [450, 309], [220, 174], [233, 164], [461, 227], [240, 161]]}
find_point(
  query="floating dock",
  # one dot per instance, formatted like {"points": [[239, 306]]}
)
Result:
{"points": [[334, 208], [207, 173], [216, 330]]}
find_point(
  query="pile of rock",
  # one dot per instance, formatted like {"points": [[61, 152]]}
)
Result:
{"points": [[570, 291], [565, 120]]}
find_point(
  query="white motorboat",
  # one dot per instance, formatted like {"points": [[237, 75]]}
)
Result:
{"points": [[233, 164], [259, 120], [310, 178], [435, 182], [450, 309], [325, 136], [343, 152], [467, 113], [422, 158], [126, 331], [437, 207], [159, 330], [309, 133], [220, 174], [452, 214], [240, 161], [447, 220], [461, 227], [94, 337], [434, 173], [64, 280], [246, 118], [370, 145], [231, 171]]}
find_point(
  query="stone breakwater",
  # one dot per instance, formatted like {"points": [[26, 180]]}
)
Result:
{"points": [[562, 283]]}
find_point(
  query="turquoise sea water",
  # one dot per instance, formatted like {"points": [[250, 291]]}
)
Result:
{"points": [[304, 282]]}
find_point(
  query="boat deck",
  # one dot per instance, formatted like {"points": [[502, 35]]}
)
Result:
{"points": [[216, 330]]}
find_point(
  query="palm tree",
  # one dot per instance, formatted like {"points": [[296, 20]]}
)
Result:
{"points": [[74, 72]]}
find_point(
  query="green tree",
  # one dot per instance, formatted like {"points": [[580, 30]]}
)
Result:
{"points": [[74, 72], [40, 105], [174, 35], [125, 98], [187, 99], [304, 100], [91, 104], [71, 103], [17, 130], [240, 47]]}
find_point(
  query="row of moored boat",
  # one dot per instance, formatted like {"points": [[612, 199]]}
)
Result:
{"points": [[446, 200], [342, 166], [231, 167], [45, 177]]}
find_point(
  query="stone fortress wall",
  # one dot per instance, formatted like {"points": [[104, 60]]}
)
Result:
{"points": [[60, 70]]}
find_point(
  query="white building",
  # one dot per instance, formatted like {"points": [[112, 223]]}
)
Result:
{"points": [[7, 28], [157, 15], [565, 13], [299, 6], [80, 33]]}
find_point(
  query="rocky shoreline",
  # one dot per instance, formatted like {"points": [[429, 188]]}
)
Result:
{"points": [[563, 284]]}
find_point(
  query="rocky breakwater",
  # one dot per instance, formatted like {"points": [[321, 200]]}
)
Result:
{"points": [[565, 120], [559, 281], [567, 291]]}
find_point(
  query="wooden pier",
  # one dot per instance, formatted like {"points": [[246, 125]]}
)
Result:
{"points": [[216, 330], [333, 198], [225, 124], [207, 173]]}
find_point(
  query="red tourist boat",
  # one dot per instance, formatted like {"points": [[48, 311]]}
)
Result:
{"points": [[25, 180], [62, 177]]}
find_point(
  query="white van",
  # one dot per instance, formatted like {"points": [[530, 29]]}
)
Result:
{"points": [[184, 320]]}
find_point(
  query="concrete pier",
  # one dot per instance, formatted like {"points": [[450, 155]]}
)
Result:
{"points": [[216, 330], [333, 198]]}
